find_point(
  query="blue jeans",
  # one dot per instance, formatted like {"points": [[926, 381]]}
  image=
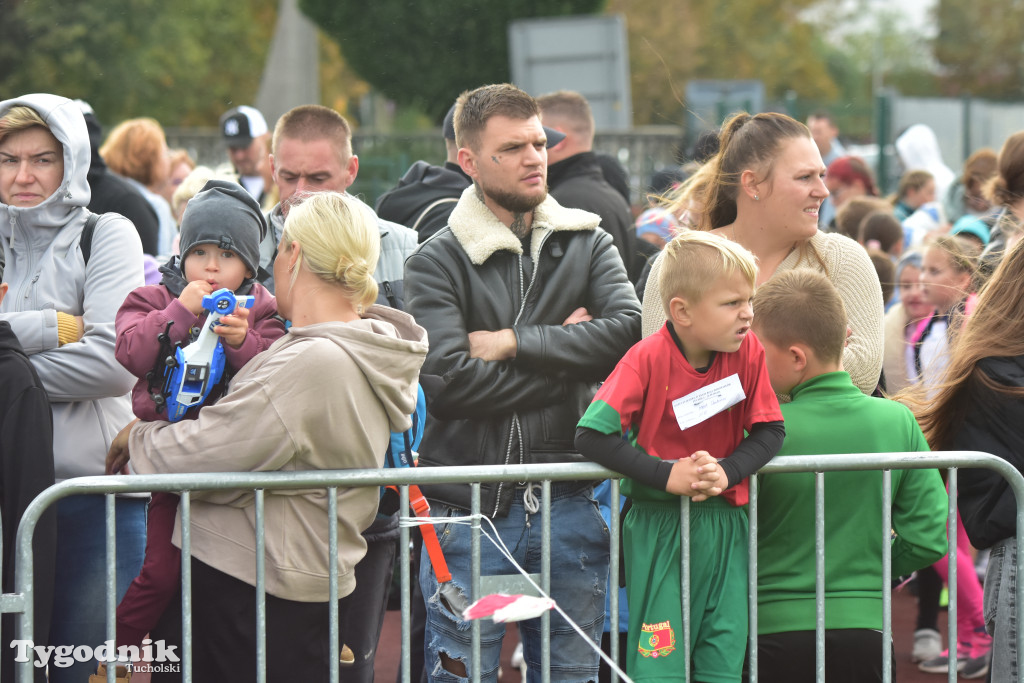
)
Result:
{"points": [[79, 602], [1001, 609], [579, 581]]}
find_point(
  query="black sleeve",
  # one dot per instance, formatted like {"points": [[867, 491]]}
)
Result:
{"points": [[588, 351], [754, 452], [26, 469], [615, 453]]}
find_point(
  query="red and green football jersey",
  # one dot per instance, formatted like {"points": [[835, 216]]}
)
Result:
{"points": [[637, 400]]}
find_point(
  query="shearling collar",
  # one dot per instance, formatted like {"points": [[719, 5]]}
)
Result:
{"points": [[481, 234]]}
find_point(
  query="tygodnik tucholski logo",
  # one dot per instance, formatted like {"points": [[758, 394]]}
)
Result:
{"points": [[152, 656]]}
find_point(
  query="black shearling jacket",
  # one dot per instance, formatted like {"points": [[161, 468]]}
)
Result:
{"points": [[469, 276]]}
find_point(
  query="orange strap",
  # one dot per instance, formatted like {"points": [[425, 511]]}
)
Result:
{"points": [[422, 509]]}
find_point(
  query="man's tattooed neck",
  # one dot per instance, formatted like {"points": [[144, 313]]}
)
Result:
{"points": [[519, 227]]}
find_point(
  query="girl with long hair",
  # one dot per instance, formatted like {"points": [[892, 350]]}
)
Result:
{"points": [[979, 406], [948, 272]]}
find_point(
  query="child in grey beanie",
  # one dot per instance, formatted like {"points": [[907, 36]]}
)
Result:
{"points": [[225, 214], [220, 237]]}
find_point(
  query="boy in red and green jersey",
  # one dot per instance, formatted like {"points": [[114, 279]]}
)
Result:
{"points": [[683, 398]]}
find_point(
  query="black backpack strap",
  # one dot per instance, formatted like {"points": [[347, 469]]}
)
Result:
{"points": [[430, 207], [85, 243]]}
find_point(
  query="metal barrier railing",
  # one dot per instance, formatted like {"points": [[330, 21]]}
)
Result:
{"points": [[21, 602]]}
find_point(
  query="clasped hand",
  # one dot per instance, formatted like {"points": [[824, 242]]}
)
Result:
{"points": [[699, 477]]}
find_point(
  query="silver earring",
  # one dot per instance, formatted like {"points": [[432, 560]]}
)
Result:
{"points": [[757, 198]]}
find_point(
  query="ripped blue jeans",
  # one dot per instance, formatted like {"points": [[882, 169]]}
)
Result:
{"points": [[579, 579]]}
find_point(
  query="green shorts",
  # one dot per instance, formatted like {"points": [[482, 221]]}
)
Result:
{"points": [[718, 591]]}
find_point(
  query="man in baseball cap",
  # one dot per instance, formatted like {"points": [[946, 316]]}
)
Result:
{"points": [[246, 133]]}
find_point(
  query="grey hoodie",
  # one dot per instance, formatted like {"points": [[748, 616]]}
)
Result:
{"points": [[88, 388], [323, 397]]}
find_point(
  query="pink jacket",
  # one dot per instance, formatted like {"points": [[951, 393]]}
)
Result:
{"points": [[144, 315]]}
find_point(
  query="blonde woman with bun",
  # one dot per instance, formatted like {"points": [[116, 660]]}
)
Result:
{"points": [[325, 396]]}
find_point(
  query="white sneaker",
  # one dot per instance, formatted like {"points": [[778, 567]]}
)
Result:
{"points": [[518, 661], [927, 645]]}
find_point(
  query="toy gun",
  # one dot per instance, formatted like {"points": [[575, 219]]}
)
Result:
{"points": [[198, 367]]}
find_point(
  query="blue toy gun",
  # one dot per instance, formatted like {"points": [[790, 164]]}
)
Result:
{"points": [[198, 367]]}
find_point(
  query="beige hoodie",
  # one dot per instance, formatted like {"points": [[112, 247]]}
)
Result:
{"points": [[322, 397]]}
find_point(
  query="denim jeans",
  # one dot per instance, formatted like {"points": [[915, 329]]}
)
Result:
{"points": [[79, 604], [579, 580], [1001, 609]]}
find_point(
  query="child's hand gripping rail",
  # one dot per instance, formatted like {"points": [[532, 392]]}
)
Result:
{"points": [[199, 366]]}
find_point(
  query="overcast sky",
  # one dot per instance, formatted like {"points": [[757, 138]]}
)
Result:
{"points": [[918, 11]]}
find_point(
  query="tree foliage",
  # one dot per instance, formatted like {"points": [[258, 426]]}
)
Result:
{"points": [[881, 48], [182, 62], [426, 53], [674, 41], [979, 46]]}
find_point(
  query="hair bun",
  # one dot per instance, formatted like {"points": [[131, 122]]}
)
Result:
{"points": [[357, 277], [352, 272], [999, 191]]}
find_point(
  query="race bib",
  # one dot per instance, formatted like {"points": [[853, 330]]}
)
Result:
{"points": [[708, 401]]}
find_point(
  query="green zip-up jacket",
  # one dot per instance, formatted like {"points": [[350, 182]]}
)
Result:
{"points": [[829, 414]]}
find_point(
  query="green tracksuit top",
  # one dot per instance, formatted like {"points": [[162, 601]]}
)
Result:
{"points": [[829, 414]]}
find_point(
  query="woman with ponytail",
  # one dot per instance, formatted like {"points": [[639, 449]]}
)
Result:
{"points": [[763, 189], [324, 397]]}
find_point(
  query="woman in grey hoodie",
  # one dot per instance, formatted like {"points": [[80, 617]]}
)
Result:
{"points": [[61, 306], [323, 397]]}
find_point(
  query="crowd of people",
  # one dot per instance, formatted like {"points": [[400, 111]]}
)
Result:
{"points": [[765, 302]]}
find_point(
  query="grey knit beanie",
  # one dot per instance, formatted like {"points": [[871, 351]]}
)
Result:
{"points": [[225, 214]]}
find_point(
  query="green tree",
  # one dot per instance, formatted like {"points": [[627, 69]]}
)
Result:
{"points": [[182, 62], [979, 46], [425, 53], [864, 48]]}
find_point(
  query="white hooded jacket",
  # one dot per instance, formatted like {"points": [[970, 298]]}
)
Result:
{"points": [[919, 150], [44, 267]]}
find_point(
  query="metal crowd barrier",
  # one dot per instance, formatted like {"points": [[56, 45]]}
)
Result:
{"points": [[21, 602]]}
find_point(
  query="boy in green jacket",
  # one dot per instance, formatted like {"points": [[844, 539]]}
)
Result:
{"points": [[802, 324]]}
